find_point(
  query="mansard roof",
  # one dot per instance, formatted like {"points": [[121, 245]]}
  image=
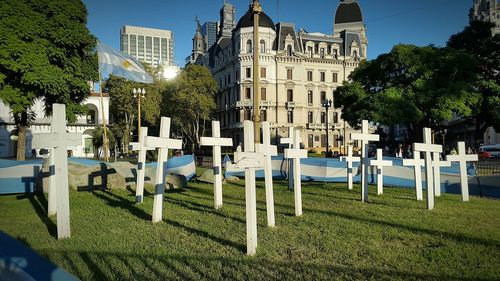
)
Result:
{"points": [[247, 20]]}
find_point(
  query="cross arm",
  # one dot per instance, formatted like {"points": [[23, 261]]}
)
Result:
{"points": [[427, 147], [365, 137], [52, 140], [163, 143], [381, 163], [249, 160], [295, 153], [210, 141], [458, 158], [413, 162], [350, 159], [138, 146], [268, 150]]}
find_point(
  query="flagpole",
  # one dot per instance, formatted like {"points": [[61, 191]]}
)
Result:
{"points": [[105, 135]]}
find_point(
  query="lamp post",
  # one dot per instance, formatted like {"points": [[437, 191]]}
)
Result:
{"points": [[139, 93], [327, 104]]}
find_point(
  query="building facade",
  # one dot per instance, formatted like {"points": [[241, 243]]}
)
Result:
{"points": [[153, 46], [486, 10], [299, 71], [84, 125]]}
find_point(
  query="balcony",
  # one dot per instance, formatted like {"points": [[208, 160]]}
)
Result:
{"points": [[291, 104], [244, 104], [315, 126], [266, 103]]}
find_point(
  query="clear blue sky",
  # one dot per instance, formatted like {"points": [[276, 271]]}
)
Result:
{"points": [[388, 22]]}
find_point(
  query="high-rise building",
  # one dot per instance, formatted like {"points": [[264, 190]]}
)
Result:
{"points": [[209, 32], [299, 71], [486, 10], [153, 46]]}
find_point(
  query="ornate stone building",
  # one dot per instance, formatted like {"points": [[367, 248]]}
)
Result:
{"points": [[486, 10], [299, 71]]}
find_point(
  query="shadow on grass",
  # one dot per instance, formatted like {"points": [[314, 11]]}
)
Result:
{"points": [[203, 234], [114, 200], [40, 205], [176, 266], [453, 236], [193, 206]]}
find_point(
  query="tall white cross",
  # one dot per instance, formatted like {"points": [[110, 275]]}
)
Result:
{"points": [[163, 143], [58, 141], [428, 148], [417, 163], [141, 162], [380, 163], [296, 154], [462, 158], [349, 159], [268, 150], [365, 137], [216, 142], [250, 160], [289, 142], [437, 164]]}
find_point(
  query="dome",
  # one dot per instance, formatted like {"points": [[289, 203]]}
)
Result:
{"points": [[247, 20], [348, 11]]}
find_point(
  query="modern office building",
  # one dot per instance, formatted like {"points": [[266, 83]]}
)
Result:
{"points": [[153, 46], [209, 32], [299, 71]]}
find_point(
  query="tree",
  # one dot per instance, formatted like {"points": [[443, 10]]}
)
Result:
{"points": [[477, 40], [415, 86], [189, 100], [124, 105], [47, 53], [97, 140]]}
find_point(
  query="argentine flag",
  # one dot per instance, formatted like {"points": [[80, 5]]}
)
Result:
{"points": [[119, 64]]}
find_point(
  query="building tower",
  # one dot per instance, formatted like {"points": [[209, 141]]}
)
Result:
{"points": [[486, 10], [348, 23], [227, 20], [198, 41]]}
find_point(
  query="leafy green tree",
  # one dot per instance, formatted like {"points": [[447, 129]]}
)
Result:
{"points": [[98, 140], [189, 100], [47, 53], [124, 106], [477, 40], [415, 86]]}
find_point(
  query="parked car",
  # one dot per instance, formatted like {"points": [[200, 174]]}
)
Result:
{"points": [[489, 151]]}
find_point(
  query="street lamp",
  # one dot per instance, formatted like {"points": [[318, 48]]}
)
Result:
{"points": [[139, 93], [327, 104]]}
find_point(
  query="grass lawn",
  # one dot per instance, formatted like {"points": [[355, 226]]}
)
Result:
{"points": [[338, 238]]}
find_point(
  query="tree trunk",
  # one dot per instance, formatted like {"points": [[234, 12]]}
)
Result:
{"points": [[21, 136], [21, 144]]}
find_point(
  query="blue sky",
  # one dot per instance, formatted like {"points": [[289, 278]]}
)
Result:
{"points": [[388, 22]]}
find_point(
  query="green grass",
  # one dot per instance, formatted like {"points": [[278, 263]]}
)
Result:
{"points": [[338, 238]]}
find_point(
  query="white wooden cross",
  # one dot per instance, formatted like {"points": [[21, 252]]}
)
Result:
{"points": [[462, 158], [141, 162], [296, 154], [349, 159], [268, 150], [428, 148], [289, 142], [380, 163], [58, 141], [216, 142], [417, 163], [163, 143], [437, 164], [365, 139], [250, 160]]}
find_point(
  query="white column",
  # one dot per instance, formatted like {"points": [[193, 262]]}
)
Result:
{"points": [[268, 150], [349, 159], [365, 139], [380, 163], [437, 164], [417, 163], [164, 143], [216, 142], [463, 158], [58, 141], [141, 162]]}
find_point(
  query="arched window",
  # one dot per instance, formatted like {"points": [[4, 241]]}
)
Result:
{"points": [[249, 46], [262, 46], [289, 50]]}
